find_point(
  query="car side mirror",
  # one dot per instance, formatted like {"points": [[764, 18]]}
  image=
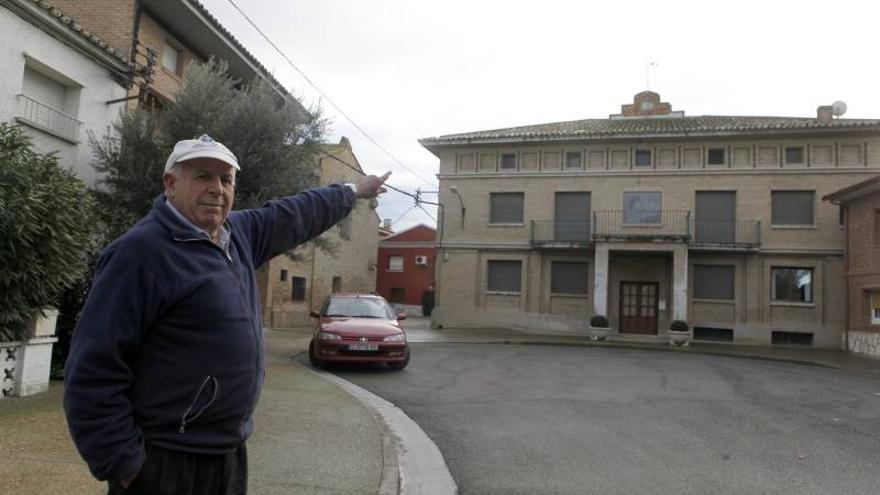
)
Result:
{"points": [[401, 316], [315, 314]]}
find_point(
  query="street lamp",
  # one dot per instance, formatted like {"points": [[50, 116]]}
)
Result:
{"points": [[454, 190]]}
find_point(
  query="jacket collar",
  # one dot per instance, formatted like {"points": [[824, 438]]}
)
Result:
{"points": [[181, 229]]}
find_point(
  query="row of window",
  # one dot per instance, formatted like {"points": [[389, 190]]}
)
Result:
{"points": [[645, 207], [789, 284], [649, 157]]}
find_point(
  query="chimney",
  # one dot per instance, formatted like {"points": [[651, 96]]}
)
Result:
{"points": [[825, 114], [386, 224]]}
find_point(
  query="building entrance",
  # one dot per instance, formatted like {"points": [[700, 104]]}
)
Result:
{"points": [[638, 307]]}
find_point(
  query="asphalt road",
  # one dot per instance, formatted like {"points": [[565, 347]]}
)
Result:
{"points": [[520, 419]]}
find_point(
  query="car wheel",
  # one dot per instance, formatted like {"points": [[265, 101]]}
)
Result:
{"points": [[399, 365], [313, 357]]}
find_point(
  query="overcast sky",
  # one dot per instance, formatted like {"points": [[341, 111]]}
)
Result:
{"points": [[408, 69]]}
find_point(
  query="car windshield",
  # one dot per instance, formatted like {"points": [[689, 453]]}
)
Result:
{"points": [[357, 307]]}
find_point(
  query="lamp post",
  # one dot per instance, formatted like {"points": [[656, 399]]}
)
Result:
{"points": [[454, 190]]}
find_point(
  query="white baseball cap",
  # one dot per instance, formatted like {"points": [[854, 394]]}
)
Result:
{"points": [[202, 147]]}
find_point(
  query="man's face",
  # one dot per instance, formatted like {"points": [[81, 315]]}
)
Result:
{"points": [[202, 190]]}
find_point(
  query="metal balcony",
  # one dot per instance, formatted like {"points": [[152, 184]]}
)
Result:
{"points": [[647, 226], [550, 233], [726, 234], [44, 117], [642, 225]]}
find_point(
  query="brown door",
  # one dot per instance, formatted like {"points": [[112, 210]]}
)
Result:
{"points": [[638, 307]]}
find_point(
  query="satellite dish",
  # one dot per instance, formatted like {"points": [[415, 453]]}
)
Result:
{"points": [[838, 108]]}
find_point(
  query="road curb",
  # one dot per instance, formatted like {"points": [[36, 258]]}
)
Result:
{"points": [[412, 463]]}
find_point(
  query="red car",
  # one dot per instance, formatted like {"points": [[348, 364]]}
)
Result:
{"points": [[358, 328]]}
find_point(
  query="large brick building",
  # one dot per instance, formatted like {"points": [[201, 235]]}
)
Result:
{"points": [[860, 205], [652, 216]]}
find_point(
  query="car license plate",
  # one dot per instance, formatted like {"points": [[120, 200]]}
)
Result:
{"points": [[363, 347]]}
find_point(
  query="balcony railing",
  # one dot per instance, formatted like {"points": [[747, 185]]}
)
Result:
{"points": [[636, 225], [42, 116], [742, 233], [564, 233]]}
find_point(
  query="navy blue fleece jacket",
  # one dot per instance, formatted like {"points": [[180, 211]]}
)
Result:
{"points": [[169, 346]]}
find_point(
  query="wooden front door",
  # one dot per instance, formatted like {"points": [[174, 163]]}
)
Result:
{"points": [[638, 307]]}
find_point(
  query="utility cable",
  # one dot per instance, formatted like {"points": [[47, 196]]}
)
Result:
{"points": [[304, 76]]}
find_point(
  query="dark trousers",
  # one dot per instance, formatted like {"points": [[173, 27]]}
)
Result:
{"points": [[169, 472]]}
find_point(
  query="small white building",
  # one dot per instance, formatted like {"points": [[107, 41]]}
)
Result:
{"points": [[60, 82], [57, 81]]}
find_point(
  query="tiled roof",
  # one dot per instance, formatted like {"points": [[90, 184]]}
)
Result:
{"points": [[80, 31], [651, 127]]}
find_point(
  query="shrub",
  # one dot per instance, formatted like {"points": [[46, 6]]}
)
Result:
{"points": [[679, 326], [599, 321], [46, 231]]}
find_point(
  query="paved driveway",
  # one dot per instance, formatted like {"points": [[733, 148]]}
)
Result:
{"points": [[526, 419]]}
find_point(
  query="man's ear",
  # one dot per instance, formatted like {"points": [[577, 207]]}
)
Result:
{"points": [[169, 180]]}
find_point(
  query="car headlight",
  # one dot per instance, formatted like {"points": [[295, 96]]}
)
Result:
{"points": [[328, 336], [395, 338]]}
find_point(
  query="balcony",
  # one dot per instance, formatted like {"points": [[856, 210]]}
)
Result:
{"points": [[646, 226], [561, 234], [726, 234], [642, 225], [46, 118]]}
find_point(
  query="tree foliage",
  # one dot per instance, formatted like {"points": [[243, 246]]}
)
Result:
{"points": [[46, 231], [275, 138]]}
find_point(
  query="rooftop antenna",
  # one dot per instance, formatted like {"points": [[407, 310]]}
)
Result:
{"points": [[838, 108], [648, 73]]}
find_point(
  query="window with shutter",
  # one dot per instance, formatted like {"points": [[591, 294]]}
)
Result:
{"points": [[792, 208], [506, 207], [568, 277], [504, 275], [714, 282]]}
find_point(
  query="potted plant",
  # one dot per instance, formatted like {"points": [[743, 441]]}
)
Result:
{"points": [[598, 327], [46, 223], [679, 333]]}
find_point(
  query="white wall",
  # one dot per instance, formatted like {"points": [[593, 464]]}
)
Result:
{"points": [[19, 38]]}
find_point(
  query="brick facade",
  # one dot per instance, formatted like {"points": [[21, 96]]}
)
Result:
{"points": [[112, 20], [416, 247], [861, 211]]}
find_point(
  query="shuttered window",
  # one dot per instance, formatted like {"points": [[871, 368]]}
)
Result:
{"points": [[506, 207], [504, 275], [714, 282], [568, 277], [793, 208]]}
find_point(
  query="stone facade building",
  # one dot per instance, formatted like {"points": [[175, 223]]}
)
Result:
{"points": [[652, 216], [860, 205], [291, 287]]}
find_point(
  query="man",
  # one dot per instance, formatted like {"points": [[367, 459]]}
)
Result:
{"points": [[166, 363]]}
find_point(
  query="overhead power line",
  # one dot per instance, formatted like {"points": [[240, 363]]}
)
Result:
{"points": [[324, 95]]}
